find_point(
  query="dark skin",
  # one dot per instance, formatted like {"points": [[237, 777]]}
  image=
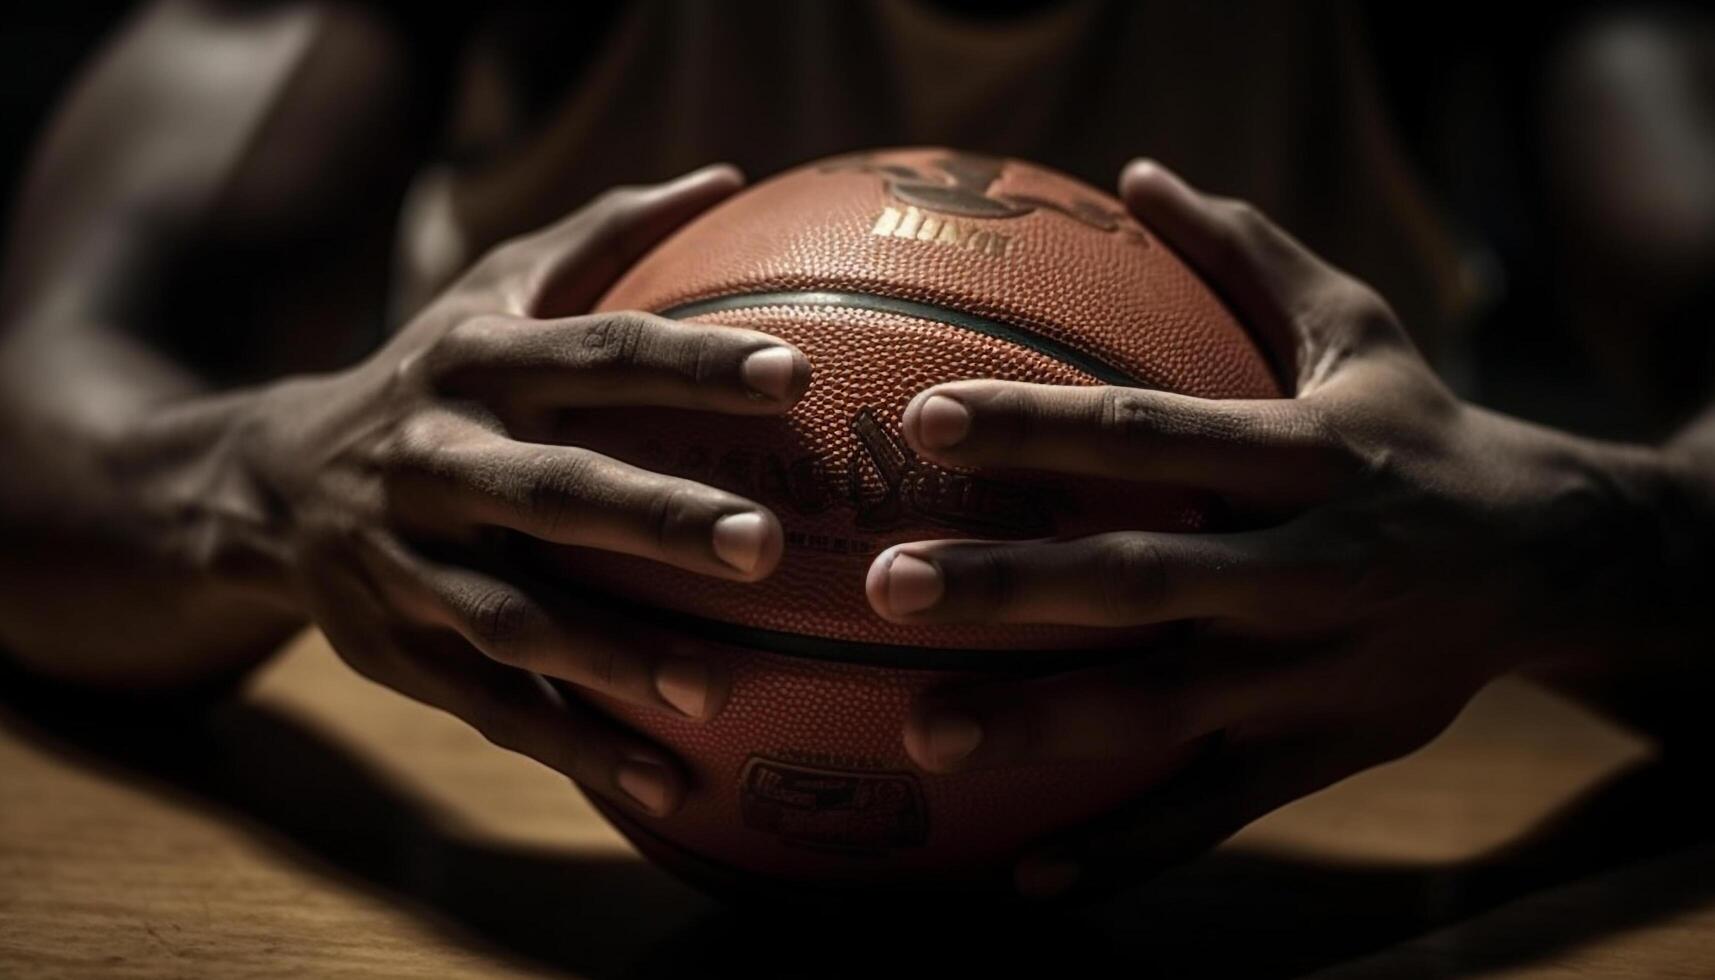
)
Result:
{"points": [[359, 499], [1410, 548], [1403, 548]]}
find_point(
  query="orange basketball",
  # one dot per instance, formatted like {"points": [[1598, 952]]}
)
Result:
{"points": [[893, 271]]}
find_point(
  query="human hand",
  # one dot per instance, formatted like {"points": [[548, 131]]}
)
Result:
{"points": [[394, 487], [1402, 548]]}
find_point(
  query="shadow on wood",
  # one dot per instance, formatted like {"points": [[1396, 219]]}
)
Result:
{"points": [[1234, 912]]}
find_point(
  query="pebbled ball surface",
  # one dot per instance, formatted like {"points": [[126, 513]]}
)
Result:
{"points": [[803, 776]]}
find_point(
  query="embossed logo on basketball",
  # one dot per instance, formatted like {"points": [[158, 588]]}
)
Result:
{"points": [[883, 483], [848, 810], [960, 185], [893, 271]]}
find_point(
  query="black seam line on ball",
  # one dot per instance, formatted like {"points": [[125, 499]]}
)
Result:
{"points": [[881, 654], [997, 329]]}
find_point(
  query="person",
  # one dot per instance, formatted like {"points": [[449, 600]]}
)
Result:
{"points": [[273, 356]]}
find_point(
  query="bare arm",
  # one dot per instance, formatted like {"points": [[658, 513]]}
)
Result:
{"points": [[182, 139], [1427, 547], [187, 488]]}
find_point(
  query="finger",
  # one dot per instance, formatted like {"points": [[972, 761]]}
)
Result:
{"points": [[511, 708], [511, 624], [1274, 283], [454, 472], [1227, 789], [1123, 578], [1278, 449], [620, 359], [570, 264], [1134, 710], [523, 713]]}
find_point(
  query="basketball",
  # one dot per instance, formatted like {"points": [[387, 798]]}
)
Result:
{"points": [[892, 271]]}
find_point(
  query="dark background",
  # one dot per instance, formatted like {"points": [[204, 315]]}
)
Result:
{"points": [[1463, 82]]}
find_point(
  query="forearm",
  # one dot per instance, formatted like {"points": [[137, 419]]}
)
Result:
{"points": [[135, 550], [1656, 669], [1694, 445], [134, 546]]}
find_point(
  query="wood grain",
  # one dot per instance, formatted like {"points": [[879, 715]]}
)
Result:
{"points": [[322, 826]]}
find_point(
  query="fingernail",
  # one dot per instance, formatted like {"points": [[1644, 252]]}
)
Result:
{"points": [[684, 684], [1045, 877], [913, 585], [644, 782], [952, 737], [739, 538], [769, 372], [942, 422]]}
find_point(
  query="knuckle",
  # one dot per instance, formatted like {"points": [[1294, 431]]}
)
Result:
{"points": [[1125, 416], [1314, 424], [1242, 215], [1239, 228], [468, 342], [1369, 464], [619, 199], [612, 341], [992, 577], [673, 509], [1132, 577], [1323, 442], [602, 665], [1011, 416], [701, 362], [502, 620], [502, 261], [565, 480], [1357, 300], [1581, 497], [1323, 434], [1241, 219], [416, 444], [1351, 309], [1357, 466], [331, 540], [1352, 563], [612, 210], [416, 372]]}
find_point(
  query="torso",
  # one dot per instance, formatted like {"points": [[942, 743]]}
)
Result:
{"points": [[1268, 102]]}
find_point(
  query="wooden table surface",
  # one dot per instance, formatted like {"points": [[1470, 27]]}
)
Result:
{"points": [[322, 826]]}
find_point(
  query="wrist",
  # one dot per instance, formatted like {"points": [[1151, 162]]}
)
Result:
{"points": [[1687, 516], [140, 558], [205, 510], [1664, 529], [1639, 646]]}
